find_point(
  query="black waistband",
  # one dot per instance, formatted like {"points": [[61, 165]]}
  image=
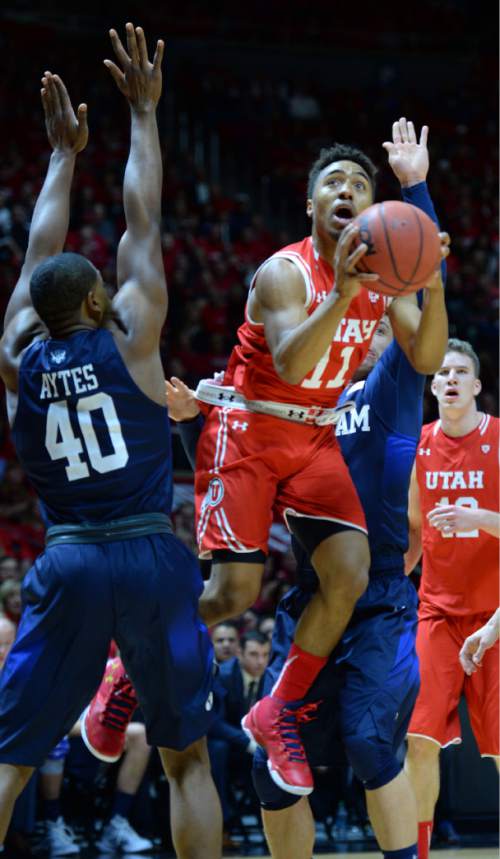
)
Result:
{"points": [[104, 532]]}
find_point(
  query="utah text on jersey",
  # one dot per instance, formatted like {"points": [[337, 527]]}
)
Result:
{"points": [[454, 479]]}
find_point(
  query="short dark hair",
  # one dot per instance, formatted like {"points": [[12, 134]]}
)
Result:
{"points": [[59, 285], [340, 152], [253, 636], [464, 348], [232, 624]]}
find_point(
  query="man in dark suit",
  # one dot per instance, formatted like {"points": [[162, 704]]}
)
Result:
{"points": [[238, 687]]}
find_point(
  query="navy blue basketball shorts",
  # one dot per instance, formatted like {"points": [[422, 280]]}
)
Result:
{"points": [[366, 691], [143, 592]]}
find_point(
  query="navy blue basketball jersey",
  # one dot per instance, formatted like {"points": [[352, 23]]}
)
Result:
{"points": [[379, 442], [379, 439], [93, 445]]}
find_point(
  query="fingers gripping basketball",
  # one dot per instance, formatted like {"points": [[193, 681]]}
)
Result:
{"points": [[403, 247]]}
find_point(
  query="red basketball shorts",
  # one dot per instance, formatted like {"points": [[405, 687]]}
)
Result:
{"points": [[443, 680], [249, 464]]}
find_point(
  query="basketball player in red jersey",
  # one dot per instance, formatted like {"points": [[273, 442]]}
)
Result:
{"points": [[454, 515], [308, 326]]}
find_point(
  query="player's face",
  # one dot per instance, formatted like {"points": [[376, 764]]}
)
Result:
{"points": [[98, 301], [455, 384], [225, 641], [254, 658], [381, 339], [342, 190], [7, 635]]}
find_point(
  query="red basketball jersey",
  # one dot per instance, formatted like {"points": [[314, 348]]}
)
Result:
{"points": [[251, 368], [460, 571]]}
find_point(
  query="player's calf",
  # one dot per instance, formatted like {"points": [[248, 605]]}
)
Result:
{"points": [[341, 562], [13, 779], [196, 816], [233, 586]]}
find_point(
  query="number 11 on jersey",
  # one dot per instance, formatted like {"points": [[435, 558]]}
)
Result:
{"points": [[316, 380]]}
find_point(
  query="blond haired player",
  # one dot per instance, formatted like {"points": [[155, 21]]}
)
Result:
{"points": [[454, 521]]}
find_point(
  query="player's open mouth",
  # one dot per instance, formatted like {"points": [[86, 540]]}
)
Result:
{"points": [[342, 215], [451, 395]]}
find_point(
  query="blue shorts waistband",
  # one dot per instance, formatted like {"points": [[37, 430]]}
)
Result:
{"points": [[125, 528]]}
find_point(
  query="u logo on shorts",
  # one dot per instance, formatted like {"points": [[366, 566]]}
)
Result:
{"points": [[215, 493]]}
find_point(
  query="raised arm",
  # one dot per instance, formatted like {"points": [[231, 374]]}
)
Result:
{"points": [[422, 335], [298, 341], [67, 135], [141, 301], [414, 552]]}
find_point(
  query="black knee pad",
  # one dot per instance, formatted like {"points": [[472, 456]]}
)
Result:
{"points": [[228, 556], [310, 532], [373, 760], [271, 797]]}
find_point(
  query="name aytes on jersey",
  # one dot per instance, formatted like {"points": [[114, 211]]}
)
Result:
{"points": [[64, 383]]}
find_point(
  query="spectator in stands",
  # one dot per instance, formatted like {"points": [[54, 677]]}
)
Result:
{"points": [[10, 600], [7, 636], [118, 834], [226, 640], [266, 627], [9, 568], [239, 686]]}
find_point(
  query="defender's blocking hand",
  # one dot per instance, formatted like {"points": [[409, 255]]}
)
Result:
{"points": [[139, 80], [408, 158], [66, 132]]}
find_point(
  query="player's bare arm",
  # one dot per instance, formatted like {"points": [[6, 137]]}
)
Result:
{"points": [[68, 134], [475, 646], [298, 341], [414, 552], [450, 518], [141, 301]]}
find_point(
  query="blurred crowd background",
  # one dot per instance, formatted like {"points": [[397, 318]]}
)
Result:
{"points": [[252, 92]]}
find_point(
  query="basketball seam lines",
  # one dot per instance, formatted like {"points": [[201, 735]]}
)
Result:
{"points": [[391, 254]]}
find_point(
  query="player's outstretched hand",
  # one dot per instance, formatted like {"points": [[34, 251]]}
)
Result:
{"points": [[66, 131], [450, 518], [181, 401], [408, 157], [139, 80], [347, 255], [475, 646]]}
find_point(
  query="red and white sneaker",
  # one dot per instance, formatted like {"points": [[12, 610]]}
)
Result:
{"points": [[104, 722], [274, 725]]}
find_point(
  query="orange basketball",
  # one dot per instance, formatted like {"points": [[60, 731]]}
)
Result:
{"points": [[403, 247]]}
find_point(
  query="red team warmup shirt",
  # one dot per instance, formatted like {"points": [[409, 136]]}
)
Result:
{"points": [[460, 571], [247, 463], [460, 588]]}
